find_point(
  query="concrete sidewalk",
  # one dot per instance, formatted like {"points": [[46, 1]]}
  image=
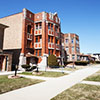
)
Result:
{"points": [[38, 77], [90, 82], [10, 72], [56, 70], [50, 88]]}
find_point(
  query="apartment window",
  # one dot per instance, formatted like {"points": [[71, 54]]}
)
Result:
{"points": [[40, 26], [36, 39], [48, 38], [48, 25], [33, 52], [52, 51], [66, 49], [78, 57], [56, 28], [40, 38], [49, 52], [72, 48], [28, 44], [56, 41], [39, 52], [29, 29], [67, 57], [51, 39], [73, 57], [51, 16], [72, 41], [36, 52], [36, 26], [77, 49], [66, 40], [52, 26]]}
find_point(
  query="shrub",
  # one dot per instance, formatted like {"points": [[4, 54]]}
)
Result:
{"points": [[26, 67], [52, 61], [67, 62], [84, 63], [97, 62]]}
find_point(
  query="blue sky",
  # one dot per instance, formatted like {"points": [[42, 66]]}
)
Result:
{"points": [[77, 16]]}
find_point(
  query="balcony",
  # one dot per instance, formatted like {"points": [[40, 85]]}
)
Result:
{"points": [[38, 45], [29, 36], [57, 47], [51, 45], [57, 34], [50, 32], [38, 32]]}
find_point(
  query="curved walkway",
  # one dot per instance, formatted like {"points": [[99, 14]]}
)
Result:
{"points": [[50, 88]]}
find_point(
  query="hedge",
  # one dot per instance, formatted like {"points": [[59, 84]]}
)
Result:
{"points": [[67, 62], [52, 61], [84, 63], [77, 62], [97, 62]]}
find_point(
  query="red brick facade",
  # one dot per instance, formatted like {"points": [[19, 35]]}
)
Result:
{"points": [[41, 34]]}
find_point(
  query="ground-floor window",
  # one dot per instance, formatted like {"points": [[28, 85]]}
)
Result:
{"points": [[73, 57], [39, 52]]}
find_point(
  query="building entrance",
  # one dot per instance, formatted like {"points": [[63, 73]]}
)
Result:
{"points": [[1, 62]]}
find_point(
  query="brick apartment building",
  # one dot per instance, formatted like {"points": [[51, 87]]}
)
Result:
{"points": [[31, 36], [71, 46], [5, 59]]}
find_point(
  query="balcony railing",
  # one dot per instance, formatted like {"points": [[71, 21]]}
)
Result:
{"points": [[29, 36], [38, 32], [50, 32], [51, 45], [38, 45]]}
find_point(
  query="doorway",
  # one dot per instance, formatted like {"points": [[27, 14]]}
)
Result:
{"points": [[1, 62]]}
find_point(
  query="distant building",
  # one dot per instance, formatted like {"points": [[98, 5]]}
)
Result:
{"points": [[71, 46], [96, 56]]}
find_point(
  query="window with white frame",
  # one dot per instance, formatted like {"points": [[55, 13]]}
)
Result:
{"points": [[72, 48], [78, 57], [72, 40], [51, 26], [29, 29], [77, 49], [66, 48], [48, 25], [40, 25], [36, 52], [48, 38], [67, 57], [36, 26], [66, 41], [40, 52], [73, 57]]}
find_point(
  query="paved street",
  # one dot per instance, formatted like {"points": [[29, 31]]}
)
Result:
{"points": [[50, 88]]}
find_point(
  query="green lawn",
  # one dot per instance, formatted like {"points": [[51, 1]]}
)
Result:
{"points": [[94, 77], [12, 84], [80, 92], [46, 74]]}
